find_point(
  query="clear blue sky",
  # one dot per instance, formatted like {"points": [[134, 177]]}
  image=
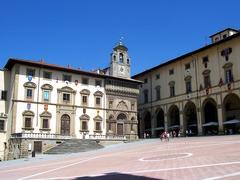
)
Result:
{"points": [[83, 32]]}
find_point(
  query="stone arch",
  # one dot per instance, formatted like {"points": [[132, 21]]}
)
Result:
{"points": [[147, 125], [85, 91], [30, 85], [159, 122], [65, 125], [47, 87], [84, 117], [231, 109], [122, 106], [210, 117], [98, 93], [173, 119], [190, 118], [46, 114]]}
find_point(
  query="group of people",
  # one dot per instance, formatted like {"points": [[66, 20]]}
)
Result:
{"points": [[166, 135]]}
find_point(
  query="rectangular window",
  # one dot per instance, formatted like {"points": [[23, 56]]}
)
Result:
{"points": [[84, 125], [98, 101], [47, 75], [187, 66], [110, 104], [172, 91], [4, 95], [29, 93], [30, 72], [85, 81], [132, 106], [66, 97], [28, 122], [84, 99], [1, 125], [157, 93], [98, 83], [67, 78], [157, 76], [145, 96], [205, 59], [188, 87], [145, 80], [98, 126], [228, 76], [45, 124], [46, 95], [207, 82], [171, 71]]}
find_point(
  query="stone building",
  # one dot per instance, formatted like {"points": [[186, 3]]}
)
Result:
{"points": [[42, 104], [197, 93]]}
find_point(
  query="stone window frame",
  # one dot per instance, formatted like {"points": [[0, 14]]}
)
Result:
{"points": [[98, 82], [32, 86], [227, 67], [28, 114], [84, 118], [67, 90], [68, 76], [206, 73], [45, 78], [45, 115], [98, 119], [187, 66], [85, 83], [172, 88], [84, 92], [98, 94], [4, 124], [110, 104], [188, 79], [171, 71], [30, 69], [49, 88]]}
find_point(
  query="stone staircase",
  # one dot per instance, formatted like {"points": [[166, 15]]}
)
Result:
{"points": [[74, 146]]}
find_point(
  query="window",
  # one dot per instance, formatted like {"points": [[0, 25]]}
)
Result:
{"points": [[171, 71], [4, 95], [67, 77], [187, 66], [172, 91], [228, 75], [110, 104], [85, 81], [84, 126], [205, 61], [47, 75], [207, 82], [30, 72], [29, 93], [98, 126], [188, 86], [145, 93], [157, 89], [98, 101], [1, 125], [224, 36], [127, 61], [157, 76], [145, 80], [66, 97], [28, 122], [45, 124], [121, 58], [46, 95], [98, 83], [84, 99]]}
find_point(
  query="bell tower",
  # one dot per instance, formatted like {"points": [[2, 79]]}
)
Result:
{"points": [[120, 62]]}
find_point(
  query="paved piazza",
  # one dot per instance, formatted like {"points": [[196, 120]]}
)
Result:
{"points": [[216, 157]]}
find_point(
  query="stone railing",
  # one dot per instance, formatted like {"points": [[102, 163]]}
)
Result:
{"points": [[39, 136], [108, 137]]}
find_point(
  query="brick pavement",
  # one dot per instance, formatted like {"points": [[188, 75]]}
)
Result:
{"points": [[216, 157]]}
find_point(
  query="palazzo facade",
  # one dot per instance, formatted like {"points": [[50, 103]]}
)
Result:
{"points": [[197, 93], [41, 103]]}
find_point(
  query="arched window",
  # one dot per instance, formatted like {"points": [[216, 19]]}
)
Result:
{"points": [[121, 57]]}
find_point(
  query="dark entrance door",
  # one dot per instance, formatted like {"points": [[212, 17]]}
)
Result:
{"points": [[65, 125], [119, 129], [38, 146]]}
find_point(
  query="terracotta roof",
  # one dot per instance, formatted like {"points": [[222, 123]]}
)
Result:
{"points": [[12, 61]]}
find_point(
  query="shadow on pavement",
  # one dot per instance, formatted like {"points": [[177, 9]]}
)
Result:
{"points": [[116, 176]]}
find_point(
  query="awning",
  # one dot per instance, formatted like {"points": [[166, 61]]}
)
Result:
{"points": [[192, 125], [210, 124], [234, 121], [159, 128], [174, 126]]}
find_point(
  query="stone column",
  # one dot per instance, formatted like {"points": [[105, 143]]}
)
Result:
{"points": [[199, 122], [182, 128], [165, 122], [220, 120]]}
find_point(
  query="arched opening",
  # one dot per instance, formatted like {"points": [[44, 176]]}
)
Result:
{"points": [[147, 124], [190, 119], [121, 57], [231, 110], [174, 120], [210, 125], [159, 125], [120, 123], [65, 125]]}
